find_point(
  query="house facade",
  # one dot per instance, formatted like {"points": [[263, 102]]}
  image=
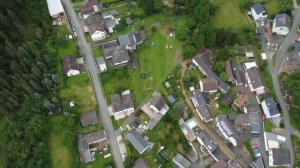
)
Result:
{"points": [[70, 66], [270, 108], [258, 11], [281, 24]]}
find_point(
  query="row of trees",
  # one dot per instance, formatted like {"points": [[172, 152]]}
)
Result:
{"points": [[28, 81]]}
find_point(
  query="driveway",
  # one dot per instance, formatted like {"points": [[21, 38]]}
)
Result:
{"points": [[92, 70]]}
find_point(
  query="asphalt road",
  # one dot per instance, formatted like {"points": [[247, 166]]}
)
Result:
{"points": [[280, 57], [92, 70]]}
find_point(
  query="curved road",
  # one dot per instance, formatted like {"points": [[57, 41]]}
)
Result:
{"points": [[280, 57], [90, 63]]}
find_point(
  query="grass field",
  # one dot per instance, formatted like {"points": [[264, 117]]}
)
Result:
{"points": [[268, 125], [60, 155], [3, 125], [229, 15], [79, 89], [155, 61]]}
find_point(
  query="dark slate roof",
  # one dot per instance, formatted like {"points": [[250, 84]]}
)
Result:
{"points": [[210, 144], [122, 102], [205, 60], [241, 119], [226, 99], [231, 115], [238, 75], [181, 161], [89, 118], [137, 37], [255, 77], [136, 139], [201, 103], [124, 40], [157, 101], [69, 63], [119, 54], [95, 23], [258, 163], [272, 106], [251, 108], [200, 97], [259, 8], [209, 84], [140, 163], [283, 20], [100, 60], [281, 156], [110, 22]]}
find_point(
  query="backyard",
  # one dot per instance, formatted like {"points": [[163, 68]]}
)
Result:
{"points": [[156, 62], [229, 15]]}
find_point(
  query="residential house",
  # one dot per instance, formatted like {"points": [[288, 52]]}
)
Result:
{"points": [[70, 66], [137, 141], [241, 101], [117, 55], [181, 161], [132, 39], [101, 64], [273, 140], [208, 145], [89, 118], [242, 119], [190, 128], [281, 24], [254, 78], [94, 24], [258, 11], [171, 99], [111, 19], [279, 157], [88, 143], [204, 62], [230, 132], [56, 11], [209, 85], [140, 163], [270, 108], [158, 104], [201, 105], [292, 62], [90, 7], [122, 105], [229, 71]]}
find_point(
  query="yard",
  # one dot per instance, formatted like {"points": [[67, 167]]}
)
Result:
{"points": [[79, 89], [60, 155], [268, 125], [156, 62], [229, 15]]}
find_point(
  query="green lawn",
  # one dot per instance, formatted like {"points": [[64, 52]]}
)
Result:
{"points": [[268, 125], [229, 15], [97, 52], [155, 61], [79, 89], [3, 126], [60, 155]]}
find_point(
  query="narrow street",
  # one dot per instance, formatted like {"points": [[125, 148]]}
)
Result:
{"points": [[215, 137], [92, 70]]}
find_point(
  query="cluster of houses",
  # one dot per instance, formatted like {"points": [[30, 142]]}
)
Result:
{"points": [[91, 143]]}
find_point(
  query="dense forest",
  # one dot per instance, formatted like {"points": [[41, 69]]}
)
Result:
{"points": [[28, 81]]}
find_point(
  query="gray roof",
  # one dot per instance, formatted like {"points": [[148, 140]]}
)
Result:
{"points": [[259, 8], [95, 23], [251, 108], [239, 76], [157, 101], [69, 63], [129, 21], [112, 12], [119, 54], [201, 103], [132, 38], [100, 60], [226, 99], [254, 77], [181, 161], [258, 163], [110, 22], [171, 99], [203, 60], [255, 127], [283, 20], [124, 40], [272, 106], [209, 143], [122, 102], [281, 156], [242, 119], [89, 118], [138, 142]]}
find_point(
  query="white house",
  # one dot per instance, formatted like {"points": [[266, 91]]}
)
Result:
{"points": [[258, 11], [122, 105], [281, 24], [253, 78], [70, 66], [270, 108], [55, 8], [226, 129]]}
